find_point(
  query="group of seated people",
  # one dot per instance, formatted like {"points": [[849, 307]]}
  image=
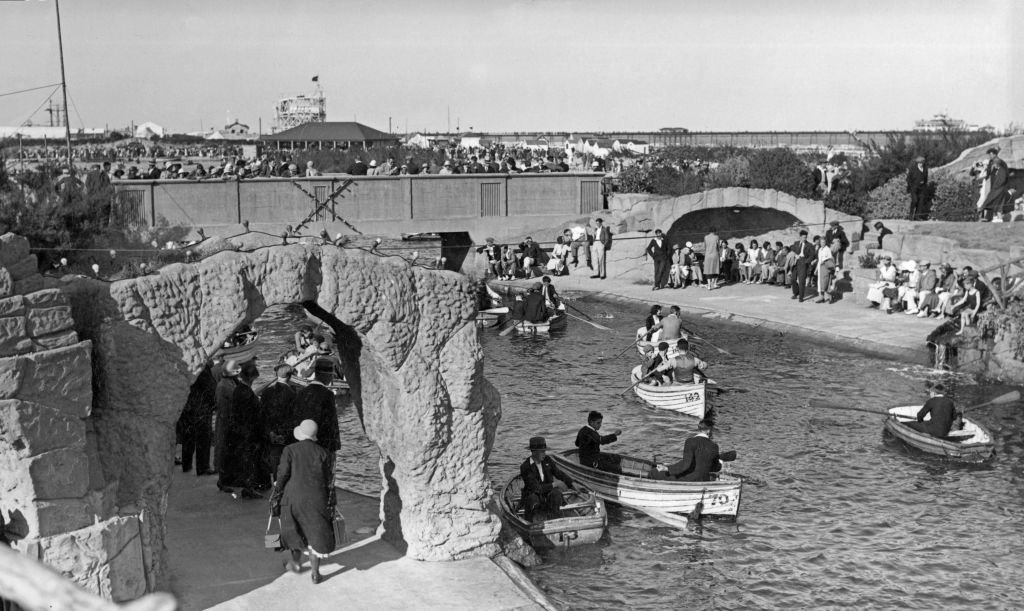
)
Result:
{"points": [[544, 483], [528, 260], [917, 288]]}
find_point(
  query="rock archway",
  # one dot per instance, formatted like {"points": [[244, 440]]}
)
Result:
{"points": [[424, 400]]}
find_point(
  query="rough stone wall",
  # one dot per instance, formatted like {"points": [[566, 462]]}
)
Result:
{"points": [[87, 427], [425, 401], [52, 492]]}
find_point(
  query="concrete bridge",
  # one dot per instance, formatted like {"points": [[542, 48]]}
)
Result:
{"points": [[499, 205]]}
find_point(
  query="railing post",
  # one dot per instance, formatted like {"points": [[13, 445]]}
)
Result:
{"points": [[152, 204], [238, 200]]}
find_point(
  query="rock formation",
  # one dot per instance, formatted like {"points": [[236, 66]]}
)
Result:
{"points": [[89, 466]]}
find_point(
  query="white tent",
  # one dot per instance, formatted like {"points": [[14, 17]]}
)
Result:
{"points": [[148, 130]]}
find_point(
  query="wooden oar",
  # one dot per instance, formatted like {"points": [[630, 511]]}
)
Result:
{"points": [[1009, 397], [509, 329], [638, 382], [591, 323], [706, 341]]}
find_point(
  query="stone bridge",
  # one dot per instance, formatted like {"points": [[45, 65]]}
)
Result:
{"points": [[688, 217]]}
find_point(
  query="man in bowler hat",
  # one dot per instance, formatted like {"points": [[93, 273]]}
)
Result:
{"points": [[543, 482]]}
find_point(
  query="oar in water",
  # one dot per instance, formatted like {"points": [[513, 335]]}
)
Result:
{"points": [[638, 382], [509, 329], [591, 323], [1009, 397], [706, 341]]}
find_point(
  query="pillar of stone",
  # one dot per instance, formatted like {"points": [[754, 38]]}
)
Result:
{"points": [[53, 496]]}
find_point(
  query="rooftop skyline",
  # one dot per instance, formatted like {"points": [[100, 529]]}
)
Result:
{"points": [[521, 66]]}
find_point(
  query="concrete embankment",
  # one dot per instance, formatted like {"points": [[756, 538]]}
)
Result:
{"points": [[217, 561], [848, 323]]}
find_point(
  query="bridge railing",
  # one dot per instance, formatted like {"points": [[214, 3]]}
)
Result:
{"points": [[1007, 283], [428, 198]]}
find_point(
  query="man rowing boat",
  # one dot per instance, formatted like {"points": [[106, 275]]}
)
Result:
{"points": [[683, 367], [942, 410], [701, 459], [531, 307], [670, 326], [589, 441]]}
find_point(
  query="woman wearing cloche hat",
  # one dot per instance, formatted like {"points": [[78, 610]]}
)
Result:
{"points": [[304, 499]]}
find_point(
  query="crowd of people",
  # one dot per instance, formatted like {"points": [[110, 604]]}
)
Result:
{"points": [[284, 440], [124, 151], [578, 245]]}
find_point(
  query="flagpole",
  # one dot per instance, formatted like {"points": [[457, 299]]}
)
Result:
{"points": [[64, 87]]}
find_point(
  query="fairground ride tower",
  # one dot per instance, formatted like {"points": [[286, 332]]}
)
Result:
{"points": [[297, 110]]}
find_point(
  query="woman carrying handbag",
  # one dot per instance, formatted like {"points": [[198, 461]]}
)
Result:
{"points": [[303, 499]]}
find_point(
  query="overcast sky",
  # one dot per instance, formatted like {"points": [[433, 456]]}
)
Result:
{"points": [[522, 66]]}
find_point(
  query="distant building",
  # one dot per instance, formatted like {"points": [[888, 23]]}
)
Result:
{"points": [[630, 145], [233, 131], [330, 134], [943, 122], [236, 128], [299, 110], [422, 141]]}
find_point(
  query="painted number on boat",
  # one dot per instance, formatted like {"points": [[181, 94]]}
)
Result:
{"points": [[718, 499], [691, 397]]}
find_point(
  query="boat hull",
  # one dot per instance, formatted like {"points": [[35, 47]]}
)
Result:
{"points": [[555, 323], [584, 523], [491, 317], [689, 399], [633, 488], [975, 443]]}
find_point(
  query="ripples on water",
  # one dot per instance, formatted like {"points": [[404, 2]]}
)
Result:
{"points": [[837, 517]]}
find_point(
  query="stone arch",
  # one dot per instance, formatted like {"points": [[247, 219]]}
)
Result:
{"points": [[731, 223], [423, 396], [646, 213]]}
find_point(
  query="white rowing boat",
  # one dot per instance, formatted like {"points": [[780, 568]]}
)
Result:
{"points": [[491, 316], [689, 399], [973, 443], [667, 500]]}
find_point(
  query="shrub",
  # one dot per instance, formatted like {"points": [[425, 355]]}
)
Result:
{"points": [[634, 179], [955, 200], [780, 169], [846, 202], [666, 180], [733, 172], [1005, 325], [890, 201], [868, 261]]}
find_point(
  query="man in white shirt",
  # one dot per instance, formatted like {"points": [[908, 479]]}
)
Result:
{"points": [[580, 240]]}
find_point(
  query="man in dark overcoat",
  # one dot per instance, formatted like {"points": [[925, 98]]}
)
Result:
{"points": [[542, 481], [195, 426], [276, 417], [660, 252], [316, 402], [917, 187], [806, 258], [700, 459]]}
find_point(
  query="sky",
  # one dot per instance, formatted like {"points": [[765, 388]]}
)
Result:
{"points": [[514, 65]]}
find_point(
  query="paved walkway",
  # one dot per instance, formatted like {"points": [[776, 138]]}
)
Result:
{"points": [[848, 323], [217, 560]]}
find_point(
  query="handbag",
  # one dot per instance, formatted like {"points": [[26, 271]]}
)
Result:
{"points": [[272, 541], [338, 524]]}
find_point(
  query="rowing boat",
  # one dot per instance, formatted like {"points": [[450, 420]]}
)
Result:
{"points": [[491, 316], [583, 518], [240, 347], [337, 385], [666, 500], [974, 443], [689, 399], [556, 322]]}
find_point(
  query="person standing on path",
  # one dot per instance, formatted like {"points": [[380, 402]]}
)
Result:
{"points": [[196, 422], [316, 402], [917, 187], [276, 420], [304, 499], [806, 257], [834, 233], [658, 250], [712, 260], [602, 244]]}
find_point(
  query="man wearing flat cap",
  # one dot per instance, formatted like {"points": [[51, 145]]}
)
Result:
{"points": [[277, 415], [917, 187], [543, 482]]}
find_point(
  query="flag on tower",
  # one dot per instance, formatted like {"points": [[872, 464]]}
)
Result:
{"points": [[316, 79]]}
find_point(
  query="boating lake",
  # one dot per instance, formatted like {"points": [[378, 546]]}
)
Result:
{"points": [[831, 515]]}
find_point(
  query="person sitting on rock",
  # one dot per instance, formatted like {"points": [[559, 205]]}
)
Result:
{"points": [[543, 482]]}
